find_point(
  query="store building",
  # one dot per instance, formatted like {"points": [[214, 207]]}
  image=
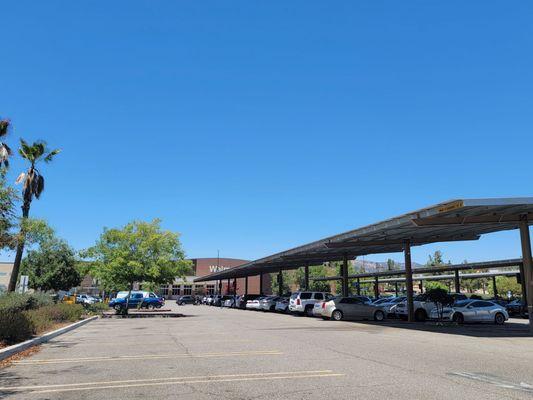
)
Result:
{"points": [[206, 266]]}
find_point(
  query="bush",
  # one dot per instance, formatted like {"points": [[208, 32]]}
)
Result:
{"points": [[16, 326], [96, 308], [16, 302]]}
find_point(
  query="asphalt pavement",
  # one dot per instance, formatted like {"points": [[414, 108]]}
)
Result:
{"points": [[219, 354]]}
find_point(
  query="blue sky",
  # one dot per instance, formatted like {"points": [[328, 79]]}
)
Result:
{"points": [[253, 127]]}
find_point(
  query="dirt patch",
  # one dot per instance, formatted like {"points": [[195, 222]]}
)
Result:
{"points": [[23, 354]]}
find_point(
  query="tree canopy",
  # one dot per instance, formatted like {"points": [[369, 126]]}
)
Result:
{"points": [[138, 252], [52, 266]]}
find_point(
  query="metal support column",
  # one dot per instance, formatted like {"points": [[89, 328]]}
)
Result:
{"points": [[280, 283], [376, 287], [234, 286], [345, 291], [261, 283], [457, 282], [396, 289], [421, 286], [229, 287], [528, 267], [494, 287], [358, 287], [246, 286], [220, 288], [306, 277], [409, 281]]}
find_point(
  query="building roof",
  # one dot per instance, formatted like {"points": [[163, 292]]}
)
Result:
{"points": [[454, 220]]}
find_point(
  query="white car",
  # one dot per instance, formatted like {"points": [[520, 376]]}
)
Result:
{"points": [[422, 307], [473, 311], [86, 299], [304, 302], [254, 304]]}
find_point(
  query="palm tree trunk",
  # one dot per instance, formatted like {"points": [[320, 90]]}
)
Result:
{"points": [[20, 249]]}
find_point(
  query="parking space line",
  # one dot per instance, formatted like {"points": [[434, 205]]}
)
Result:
{"points": [[148, 357], [172, 381]]}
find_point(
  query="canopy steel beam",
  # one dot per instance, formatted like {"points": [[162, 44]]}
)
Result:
{"points": [[474, 219], [391, 242]]}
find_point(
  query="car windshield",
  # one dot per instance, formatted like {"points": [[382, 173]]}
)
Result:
{"points": [[380, 301], [462, 303]]}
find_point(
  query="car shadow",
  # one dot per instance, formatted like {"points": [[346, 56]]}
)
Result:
{"points": [[508, 330]]}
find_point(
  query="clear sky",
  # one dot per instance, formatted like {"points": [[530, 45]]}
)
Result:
{"points": [[252, 127]]}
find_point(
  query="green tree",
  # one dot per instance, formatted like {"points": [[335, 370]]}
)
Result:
{"points": [[138, 252], [505, 284], [8, 195], [52, 266], [441, 298], [429, 285], [32, 186], [391, 265]]}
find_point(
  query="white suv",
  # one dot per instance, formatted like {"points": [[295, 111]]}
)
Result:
{"points": [[303, 302]]}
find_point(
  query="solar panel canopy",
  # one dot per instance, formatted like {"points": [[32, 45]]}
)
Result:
{"points": [[454, 220]]}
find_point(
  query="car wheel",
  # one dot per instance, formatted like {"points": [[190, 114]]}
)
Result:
{"points": [[117, 307], [273, 308], [336, 315], [309, 311], [150, 306], [420, 315], [499, 319], [458, 318], [379, 316]]}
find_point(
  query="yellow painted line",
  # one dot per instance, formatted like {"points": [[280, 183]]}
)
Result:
{"points": [[243, 378], [147, 357], [98, 383]]}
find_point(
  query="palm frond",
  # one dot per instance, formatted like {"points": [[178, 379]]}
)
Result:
{"points": [[4, 127], [25, 150], [39, 149], [20, 178], [51, 155], [38, 186]]}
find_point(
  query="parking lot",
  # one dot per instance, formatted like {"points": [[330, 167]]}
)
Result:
{"points": [[225, 353]]}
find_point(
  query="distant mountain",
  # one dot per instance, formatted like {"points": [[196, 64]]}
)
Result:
{"points": [[378, 266]]}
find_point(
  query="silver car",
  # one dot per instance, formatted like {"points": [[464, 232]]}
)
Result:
{"points": [[340, 308], [269, 303], [473, 311], [282, 305]]}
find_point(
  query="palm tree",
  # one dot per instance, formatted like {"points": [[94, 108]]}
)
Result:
{"points": [[5, 151], [32, 185]]}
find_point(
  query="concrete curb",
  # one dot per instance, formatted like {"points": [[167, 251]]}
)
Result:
{"points": [[17, 348]]}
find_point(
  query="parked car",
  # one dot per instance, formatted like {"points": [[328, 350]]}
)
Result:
{"points": [[303, 302], [185, 299], [244, 299], [268, 303], [228, 300], [319, 306], [389, 305], [137, 299], [422, 307], [340, 308], [254, 304], [282, 305], [473, 311], [85, 299], [517, 308]]}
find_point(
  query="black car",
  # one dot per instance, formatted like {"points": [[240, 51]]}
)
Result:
{"points": [[186, 299], [517, 308]]}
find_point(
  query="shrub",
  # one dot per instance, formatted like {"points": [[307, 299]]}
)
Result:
{"points": [[16, 302], [96, 308], [19, 325], [39, 319], [14, 326]]}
